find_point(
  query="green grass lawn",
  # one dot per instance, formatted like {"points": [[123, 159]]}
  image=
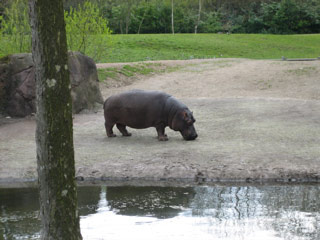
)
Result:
{"points": [[132, 48], [126, 70], [135, 47]]}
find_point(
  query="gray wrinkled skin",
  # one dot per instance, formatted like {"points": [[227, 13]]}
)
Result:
{"points": [[143, 109]]}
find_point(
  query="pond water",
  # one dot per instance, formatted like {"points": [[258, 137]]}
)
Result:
{"points": [[212, 212]]}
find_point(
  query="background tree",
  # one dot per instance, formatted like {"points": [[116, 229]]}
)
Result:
{"points": [[54, 134], [155, 16], [172, 17], [198, 19], [16, 27], [87, 31]]}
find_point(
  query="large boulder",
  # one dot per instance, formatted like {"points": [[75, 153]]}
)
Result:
{"points": [[17, 84]]}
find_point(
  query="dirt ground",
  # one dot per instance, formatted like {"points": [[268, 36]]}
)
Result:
{"points": [[257, 121]]}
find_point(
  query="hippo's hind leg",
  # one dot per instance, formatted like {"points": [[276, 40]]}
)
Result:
{"points": [[109, 125], [123, 130], [161, 135]]}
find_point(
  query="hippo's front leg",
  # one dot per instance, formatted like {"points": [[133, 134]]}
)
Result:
{"points": [[161, 135]]}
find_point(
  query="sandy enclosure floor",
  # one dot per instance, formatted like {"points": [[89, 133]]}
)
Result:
{"points": [[257, 120]]}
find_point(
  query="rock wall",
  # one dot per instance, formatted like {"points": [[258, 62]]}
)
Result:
{"points": [[17, 84]]}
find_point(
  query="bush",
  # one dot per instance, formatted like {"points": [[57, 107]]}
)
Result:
{"points": [[289, 16], [212, 23], [154, 17], [15, 28], [87, 30]]}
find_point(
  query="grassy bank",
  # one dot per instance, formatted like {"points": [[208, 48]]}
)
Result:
{"points": [[132, 48], [124, 74]]}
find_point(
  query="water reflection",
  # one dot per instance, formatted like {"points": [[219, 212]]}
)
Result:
{"points": [[284, 212], [19, 211], [88, 197], [220, 212], [156, 202]]}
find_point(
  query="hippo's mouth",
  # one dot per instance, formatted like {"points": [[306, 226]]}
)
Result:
{"points": [[189, 136]]}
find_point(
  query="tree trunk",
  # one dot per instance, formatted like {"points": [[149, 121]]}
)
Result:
{"points": [[127, 23], [140, 24], [172, 20], [54, 134], [120, 25], [128, 16], [198, 21]]}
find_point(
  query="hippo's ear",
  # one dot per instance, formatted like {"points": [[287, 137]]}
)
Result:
{"points": [[184, 115]]}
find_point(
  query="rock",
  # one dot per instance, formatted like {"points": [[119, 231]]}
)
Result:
{"points": [[84, 81], [4, 73], [17, 84]]}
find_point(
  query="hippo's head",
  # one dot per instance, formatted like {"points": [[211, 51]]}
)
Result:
{"points": [[183, 122]]}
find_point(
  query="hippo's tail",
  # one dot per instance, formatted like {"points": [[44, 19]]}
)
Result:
{"points": [[105, 102]]}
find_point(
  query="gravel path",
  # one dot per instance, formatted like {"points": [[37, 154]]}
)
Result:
{"points": [[257, 120]]}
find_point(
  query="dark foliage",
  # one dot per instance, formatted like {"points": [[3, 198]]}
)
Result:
{"points": [[237, 16], [246, 16]]}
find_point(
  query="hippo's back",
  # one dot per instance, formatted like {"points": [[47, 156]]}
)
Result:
{"points": [[136, 108], [137, 99]]}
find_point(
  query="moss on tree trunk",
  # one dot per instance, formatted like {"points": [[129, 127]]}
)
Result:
{"points": [[54, 134]]}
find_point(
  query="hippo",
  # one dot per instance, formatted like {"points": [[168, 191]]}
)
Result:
{"points": [[143, 109]]}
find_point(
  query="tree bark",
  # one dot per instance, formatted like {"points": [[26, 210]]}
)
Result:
{"points": [[172, 20], [128, 14], [54, 134], [140, 24], [198, 21]]}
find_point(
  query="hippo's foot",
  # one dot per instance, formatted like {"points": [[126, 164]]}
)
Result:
{"points": [[127, 134], [112, 135], [163, 138]]}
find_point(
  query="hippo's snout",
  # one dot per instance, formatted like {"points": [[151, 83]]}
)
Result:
{"points": [[191, 137], [189, 134]]}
